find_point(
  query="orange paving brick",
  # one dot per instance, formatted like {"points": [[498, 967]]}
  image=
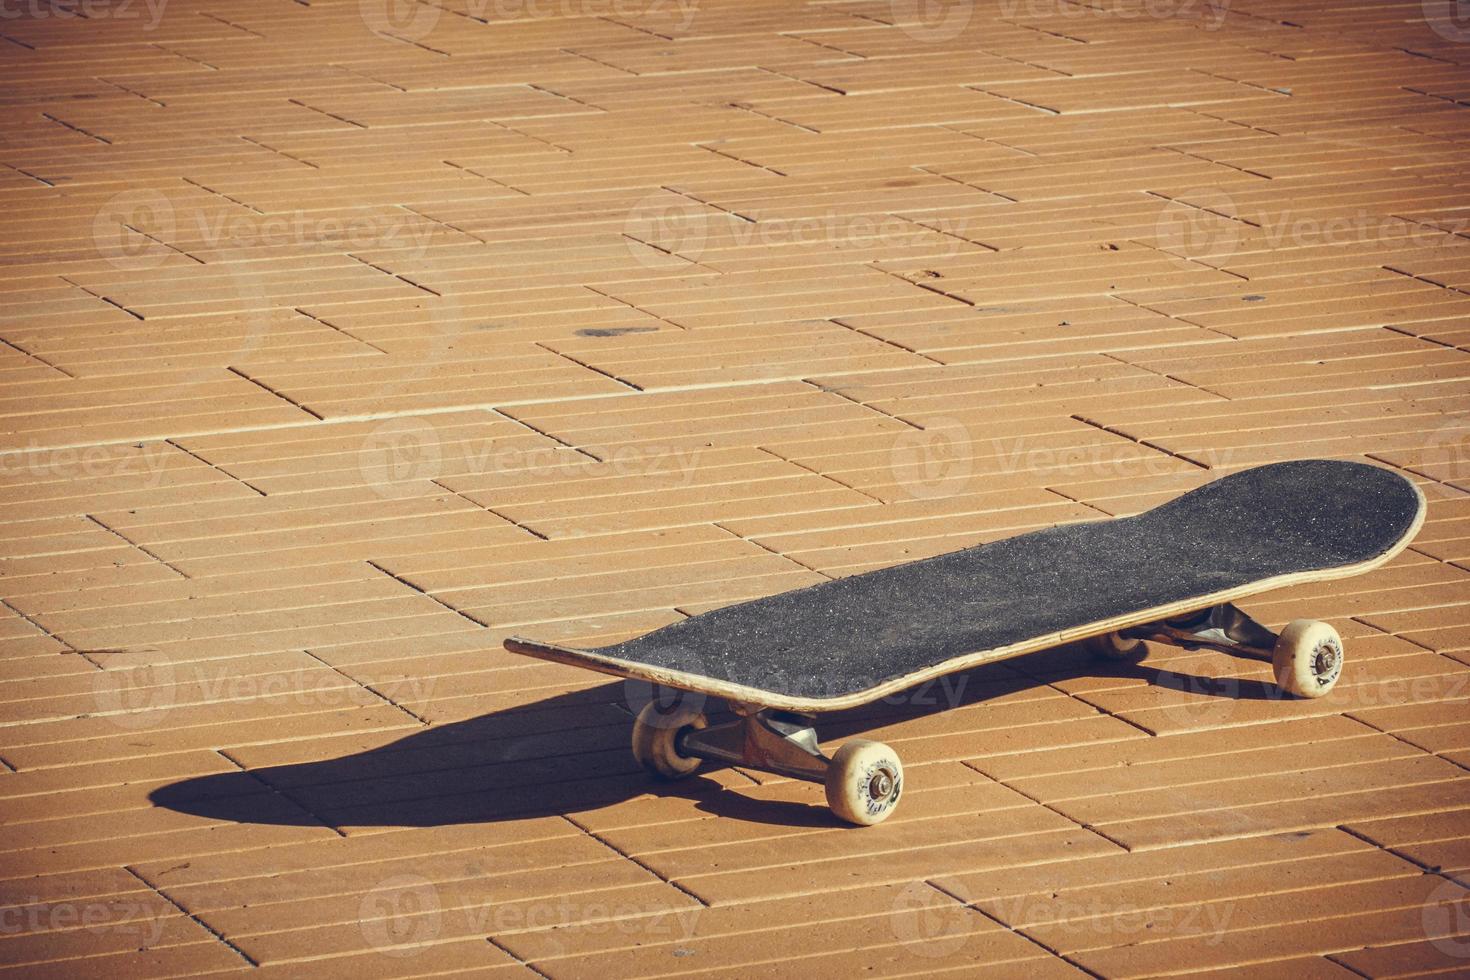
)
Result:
{"points": [[341, 340]]}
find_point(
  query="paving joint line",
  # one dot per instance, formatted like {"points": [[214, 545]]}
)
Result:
{"points": [[205, 187], [9, 604], [112, 530], [826, 476], [1141, 442], [267, 388], [769, 550], [191, 916], [1165, 375], [365, 686], [624, 854], [1047, 806], [346, 333], [548, 435], [77, 129], [490, 510], [883, 340], [1078, 500], [108, 299], [329, 115], [35, 357], [475, 173], [116, 85], [278, 792], [591, 367], [220, 469], [846, 397], [1014, 930], [185, 57], [265, 146], [507, 951], [395, 275], [634, 306], [429, 595]]}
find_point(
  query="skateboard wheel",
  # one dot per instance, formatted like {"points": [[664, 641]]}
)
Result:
{"points": [[1307, 658], [864, 782], [1115, 646], [656, 739]]}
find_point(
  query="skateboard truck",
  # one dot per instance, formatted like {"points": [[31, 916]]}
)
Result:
{"points": [[772, 741], [1306, 657], [862, 780]]}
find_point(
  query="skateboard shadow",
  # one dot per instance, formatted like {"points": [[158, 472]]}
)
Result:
{"points": [[560, 756]]}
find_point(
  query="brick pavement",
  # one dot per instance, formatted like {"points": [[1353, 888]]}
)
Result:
{"points": [[341, 339]]}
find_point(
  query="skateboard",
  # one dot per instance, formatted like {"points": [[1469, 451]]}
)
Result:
{"points": [[1171, 575]]}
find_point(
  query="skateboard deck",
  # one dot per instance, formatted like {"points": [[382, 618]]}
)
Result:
{"points": [[851, 641]]}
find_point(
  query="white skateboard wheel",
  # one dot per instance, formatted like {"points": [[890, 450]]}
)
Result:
{"points": [[655, 739], [1114, 646], [1307, 658], [864, 782]]}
